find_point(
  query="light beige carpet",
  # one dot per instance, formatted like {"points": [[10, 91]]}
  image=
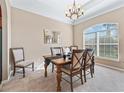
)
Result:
{"points": [[105, 79]]}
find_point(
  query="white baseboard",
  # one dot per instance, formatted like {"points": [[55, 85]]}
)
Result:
{"points": [[5, 81], [111, 67], [1, 87], [10, 74]]}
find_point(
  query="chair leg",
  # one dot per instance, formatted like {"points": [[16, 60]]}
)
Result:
{"points": [[91, 71], [93, 68], [93, 63], [32, 66], [23, 72], [14, 71], [52, 67], [71, 83], [85, 76], [81, 77]]}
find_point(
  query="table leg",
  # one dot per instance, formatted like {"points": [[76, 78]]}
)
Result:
{"points": [[58, 76], [45, 66], [46, 63]]}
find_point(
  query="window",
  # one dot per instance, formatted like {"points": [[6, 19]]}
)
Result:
{"points": [[104, 39]]}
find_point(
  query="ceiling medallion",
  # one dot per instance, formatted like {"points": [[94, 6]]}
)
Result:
{"points": [[74, 11]]}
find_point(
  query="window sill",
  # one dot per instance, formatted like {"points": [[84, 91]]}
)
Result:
{"points": [[108, 59]]}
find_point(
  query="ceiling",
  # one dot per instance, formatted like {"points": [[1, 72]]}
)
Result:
{"points": [[56, 8]]}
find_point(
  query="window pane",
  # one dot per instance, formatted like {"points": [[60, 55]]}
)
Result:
{"points": [[102, 36], [114, 36], [114, 51], [102, 50], [107, 51], [90, 41]]}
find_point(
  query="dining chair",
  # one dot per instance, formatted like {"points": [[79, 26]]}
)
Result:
{"points": [[89, 63], [66, 50], [57, 51], [75, 67], [19, 60]]}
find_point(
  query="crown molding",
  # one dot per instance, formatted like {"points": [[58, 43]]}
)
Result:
{"points": [[63, 20], [98, 13]]}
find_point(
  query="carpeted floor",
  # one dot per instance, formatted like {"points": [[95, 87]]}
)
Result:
{"points": [[105, 80]]}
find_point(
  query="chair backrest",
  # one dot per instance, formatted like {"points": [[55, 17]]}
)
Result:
{"points": [[73, 48], [90, 56], [78, 57], [66, 50], [56, 50], [18, 54]]}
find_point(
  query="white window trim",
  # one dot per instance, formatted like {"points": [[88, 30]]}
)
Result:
{"points": [[106, 58]]}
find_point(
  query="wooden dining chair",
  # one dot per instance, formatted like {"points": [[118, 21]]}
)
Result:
{"points": [[19, 60], [89, 63], [75, 68], [57, 51]]}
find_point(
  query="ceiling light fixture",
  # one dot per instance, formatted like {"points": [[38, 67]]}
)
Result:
{"points": [[74, 11]]}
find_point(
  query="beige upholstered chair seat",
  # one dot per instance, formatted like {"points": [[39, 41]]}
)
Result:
{"points": [[24, 63], [88, 64], [68, 70]]}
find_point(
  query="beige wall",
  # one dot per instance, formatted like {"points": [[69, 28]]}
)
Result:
{"points": [[116, 16], [27, 32]]}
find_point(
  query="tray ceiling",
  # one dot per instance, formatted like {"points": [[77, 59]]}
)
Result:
{"points": [[55, 9]]}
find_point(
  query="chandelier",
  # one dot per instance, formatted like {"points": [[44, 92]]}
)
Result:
{"points": [[74, 11]]}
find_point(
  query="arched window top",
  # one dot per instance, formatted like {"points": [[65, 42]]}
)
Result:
{"points": [[101, 27]]}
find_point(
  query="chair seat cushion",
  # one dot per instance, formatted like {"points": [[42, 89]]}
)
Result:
{"points": [[88, 64], [67, 70], [24, 63]]}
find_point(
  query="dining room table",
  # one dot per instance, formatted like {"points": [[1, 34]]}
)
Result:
{"points": [[59, 61]]}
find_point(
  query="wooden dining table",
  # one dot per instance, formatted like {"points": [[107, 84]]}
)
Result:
{"points": [[59, 61]]}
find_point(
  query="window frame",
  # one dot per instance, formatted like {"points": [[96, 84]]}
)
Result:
{"points": [[97, 45]]}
